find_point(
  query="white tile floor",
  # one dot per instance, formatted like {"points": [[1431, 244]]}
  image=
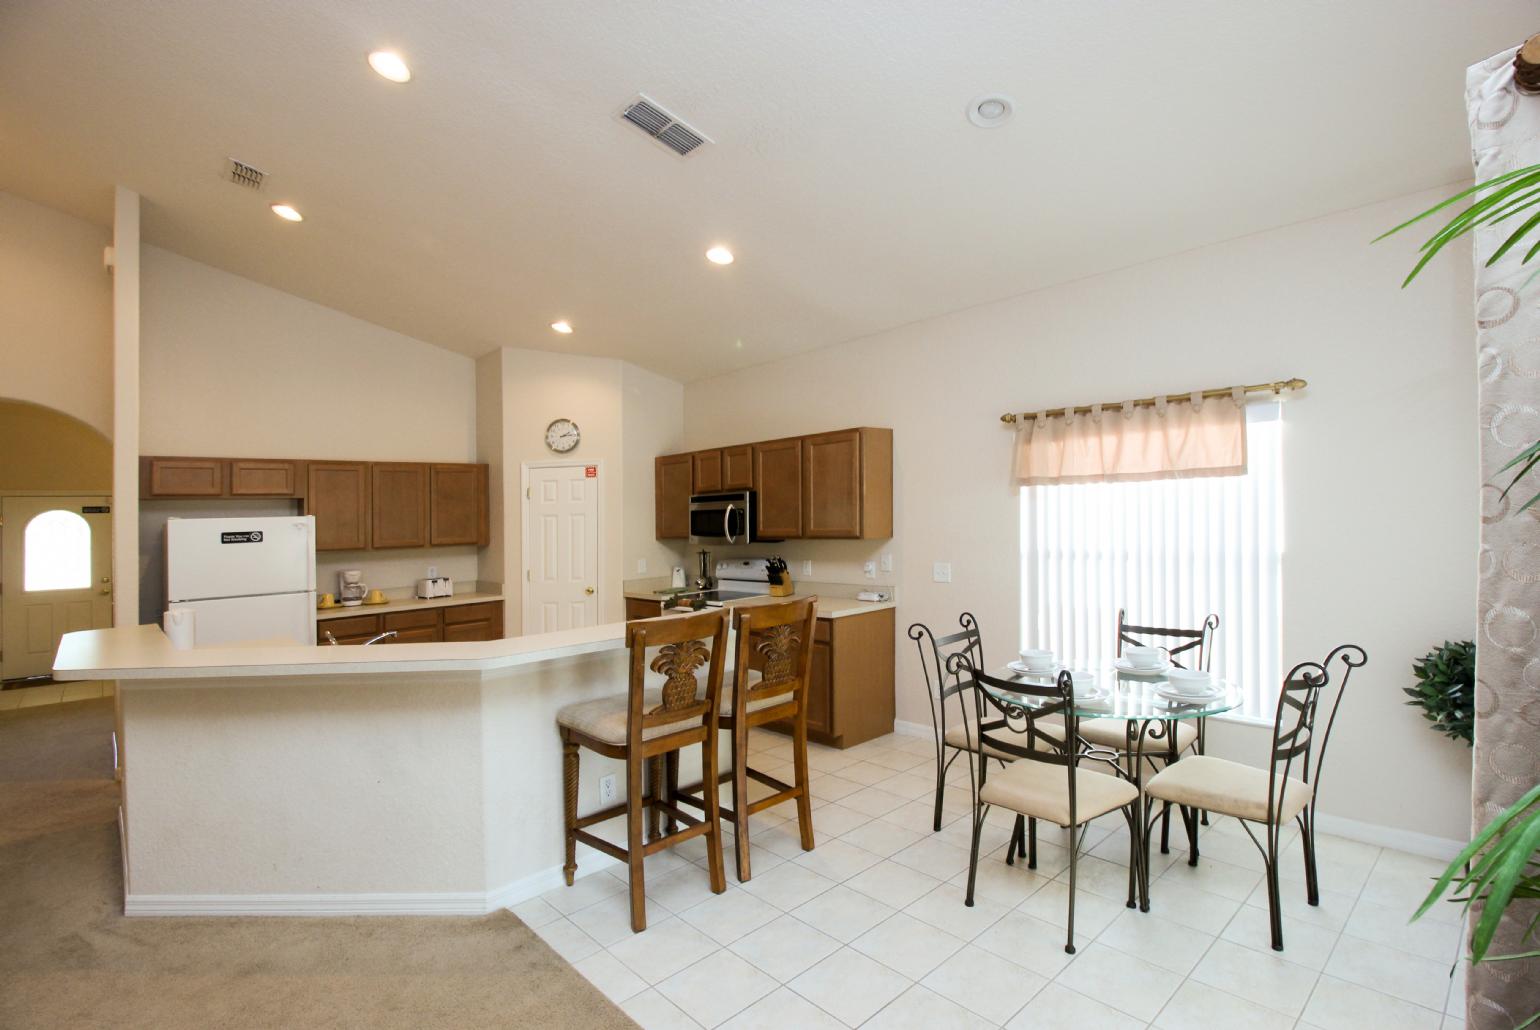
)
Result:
{"points": [[869, 929]]}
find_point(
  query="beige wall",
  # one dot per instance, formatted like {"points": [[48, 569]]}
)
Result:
{"points": [[1380, 465], [55, 312], [43, 449], [231, 367], [626, 416]]}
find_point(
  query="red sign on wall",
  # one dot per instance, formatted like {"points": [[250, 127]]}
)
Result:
{"points": [[591, 472]]}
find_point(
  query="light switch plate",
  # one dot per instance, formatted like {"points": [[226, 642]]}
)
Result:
{"points": [[807, 568], [641, 566], [887, 563], [941, 572]]}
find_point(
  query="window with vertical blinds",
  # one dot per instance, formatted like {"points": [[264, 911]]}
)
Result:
{"points": [[1169, 551]]}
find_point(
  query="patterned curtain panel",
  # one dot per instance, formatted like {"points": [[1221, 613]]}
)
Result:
{"points": [[1123, 443], [1505, 134]]}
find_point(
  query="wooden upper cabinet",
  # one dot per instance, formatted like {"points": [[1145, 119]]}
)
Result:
{"points": [[708, 471], [337, 494], [673, 475], [258, 477], [778, 484], [847, 484], [738, 467], [182, 477], [457, 503], [398, 504]]}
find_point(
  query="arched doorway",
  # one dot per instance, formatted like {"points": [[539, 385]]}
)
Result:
{"points": [[55, 534]]}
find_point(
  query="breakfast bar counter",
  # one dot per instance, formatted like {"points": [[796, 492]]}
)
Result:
{"points": [[286, 779]]}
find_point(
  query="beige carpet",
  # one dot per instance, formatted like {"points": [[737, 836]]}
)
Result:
{"points": [[69, 958]]}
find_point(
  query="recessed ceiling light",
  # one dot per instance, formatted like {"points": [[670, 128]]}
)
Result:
{"points": [[990, 110], [564, 327], [719, 256], [287, 213], [390, 65]]}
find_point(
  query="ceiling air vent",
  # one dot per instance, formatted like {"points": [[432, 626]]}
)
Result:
{"points": [[661, 125], [243, 174]]}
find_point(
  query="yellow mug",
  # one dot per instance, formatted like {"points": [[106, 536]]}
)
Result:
{"points": [[376, 597], [327, 601]]}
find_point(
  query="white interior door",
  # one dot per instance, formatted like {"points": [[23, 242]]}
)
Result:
{"points": [[561, 548], [56, 564]]}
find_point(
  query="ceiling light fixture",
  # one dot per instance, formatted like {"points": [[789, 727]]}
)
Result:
{"points": [[991, 110], [287, 213], [389, 65], [719, 255], [564, 327]]}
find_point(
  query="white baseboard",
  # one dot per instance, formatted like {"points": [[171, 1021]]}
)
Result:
{"points": [[914, 729], [1427, 845], [447, 903]]}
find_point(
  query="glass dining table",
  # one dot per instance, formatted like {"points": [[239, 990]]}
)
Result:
{"points": [[1151, 705]]}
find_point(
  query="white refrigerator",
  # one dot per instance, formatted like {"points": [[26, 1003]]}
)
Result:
{"points": [[244, 578]]}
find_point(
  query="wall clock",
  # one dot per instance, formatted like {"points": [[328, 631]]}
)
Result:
{"points": [[562, 435]]}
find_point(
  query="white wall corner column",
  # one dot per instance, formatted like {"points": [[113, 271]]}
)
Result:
{"points": [[125, 407]]}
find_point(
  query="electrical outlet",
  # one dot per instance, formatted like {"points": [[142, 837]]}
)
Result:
{"points": [[641, 566], [870, 568], [941, 572], [807, 568], [607, 789], [433, 572], [887, 563]]}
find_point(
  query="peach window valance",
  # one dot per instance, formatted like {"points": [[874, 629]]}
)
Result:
{"points": [[1194, 437]]}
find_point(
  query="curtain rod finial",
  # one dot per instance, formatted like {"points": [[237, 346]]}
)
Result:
{"points": [[1008, 418]]}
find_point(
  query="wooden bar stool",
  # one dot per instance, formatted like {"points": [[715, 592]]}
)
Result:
{"points": [[640, 728], [772, 664]]}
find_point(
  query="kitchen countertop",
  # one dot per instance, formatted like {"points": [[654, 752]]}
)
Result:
{"points": [[403, 604], [828, 607]]}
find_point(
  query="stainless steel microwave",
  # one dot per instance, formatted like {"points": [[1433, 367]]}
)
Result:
{"points": [[726, 517]]}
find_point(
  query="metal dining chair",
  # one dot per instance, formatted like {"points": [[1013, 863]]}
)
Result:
{"points": [[1044, 779], [1287, 789], [954, 733], [1189, 649]]}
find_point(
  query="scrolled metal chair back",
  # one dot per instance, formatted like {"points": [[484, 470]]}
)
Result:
{"points": [[1294, 724], [941, 678], [1196, 650], [1003, 724]]}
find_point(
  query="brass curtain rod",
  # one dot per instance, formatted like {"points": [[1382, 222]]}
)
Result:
{"points": [[1149, 402]]}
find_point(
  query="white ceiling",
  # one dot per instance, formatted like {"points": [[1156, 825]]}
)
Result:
{"points": [[498, 191]]}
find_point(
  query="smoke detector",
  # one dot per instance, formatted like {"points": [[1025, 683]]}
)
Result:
{"points": [[662, 125], [991, 110], [242, 174]]}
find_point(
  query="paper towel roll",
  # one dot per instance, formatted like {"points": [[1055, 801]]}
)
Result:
{"points": [[179, 626]]}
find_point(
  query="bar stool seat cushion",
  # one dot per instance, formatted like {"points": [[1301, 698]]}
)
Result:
{"points": [[604, 719], [1228, 788], [1041, 790], [755, 703], [1114, 733]]}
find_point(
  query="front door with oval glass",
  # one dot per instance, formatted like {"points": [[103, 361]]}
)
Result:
{"points": [[55, 577]]}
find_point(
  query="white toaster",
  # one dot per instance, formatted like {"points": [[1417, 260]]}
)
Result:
{"points": [[439, 586]]}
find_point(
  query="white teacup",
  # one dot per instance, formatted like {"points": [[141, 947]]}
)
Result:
{"points": [[1146, 657], [1189, 681], [1037, 661]]}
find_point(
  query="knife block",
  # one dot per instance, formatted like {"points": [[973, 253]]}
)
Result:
{"points": [[781, 589]]}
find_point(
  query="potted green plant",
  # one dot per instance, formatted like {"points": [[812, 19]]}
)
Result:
{"points": [[1502, 197], [1500, 866], [1446, 688]]}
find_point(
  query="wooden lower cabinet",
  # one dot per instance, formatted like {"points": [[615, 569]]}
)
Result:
{"points": [[850, 694], [636, 609], [478, 620]]}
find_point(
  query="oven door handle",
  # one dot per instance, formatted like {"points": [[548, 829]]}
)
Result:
{"points": [[727, 524]]}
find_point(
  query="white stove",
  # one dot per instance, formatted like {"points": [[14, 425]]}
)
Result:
{"points": [[738, 578]]}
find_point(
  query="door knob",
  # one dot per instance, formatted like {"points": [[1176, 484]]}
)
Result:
{"points": [[588, 590]]}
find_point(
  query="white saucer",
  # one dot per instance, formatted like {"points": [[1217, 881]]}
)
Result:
{"points": [[1172, 694], [1126, 667], [1016, 665]]}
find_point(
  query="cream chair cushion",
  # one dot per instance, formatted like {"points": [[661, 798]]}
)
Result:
{"points": [[1114, 733], [965, 737], [1041, 790], [755, 703], [1229, 788], [604, 719]]}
